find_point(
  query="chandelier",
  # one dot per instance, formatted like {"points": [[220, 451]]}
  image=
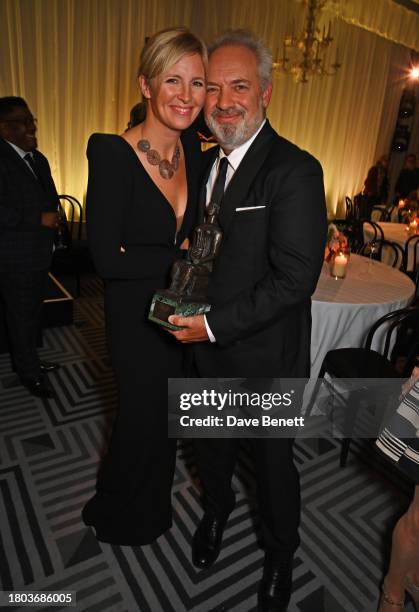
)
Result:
{"points": [[305, 56]]}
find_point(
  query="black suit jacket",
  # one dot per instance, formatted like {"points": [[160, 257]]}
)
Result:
{"points": [[24, 243], [268, 265]]}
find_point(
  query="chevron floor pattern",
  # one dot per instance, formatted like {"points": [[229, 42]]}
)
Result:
{"points": [[49, 455]]}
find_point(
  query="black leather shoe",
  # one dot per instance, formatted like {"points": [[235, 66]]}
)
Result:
{"points": [[206, 542], [276, 585], [49, 366], [38, 387]]}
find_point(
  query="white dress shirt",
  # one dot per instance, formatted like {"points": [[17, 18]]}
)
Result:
{"points": [[234, 159]]}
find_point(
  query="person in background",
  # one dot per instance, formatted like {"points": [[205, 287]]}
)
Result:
{"points": [[141, 206], [408, 180], [376, 184], [137, 114], [28, 219], [399, 441]]}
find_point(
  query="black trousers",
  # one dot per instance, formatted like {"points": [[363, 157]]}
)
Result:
{"points": [[22, 293], [277, 482]]}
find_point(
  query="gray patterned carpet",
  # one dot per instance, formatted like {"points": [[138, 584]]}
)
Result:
{"points": [[49, 454]]}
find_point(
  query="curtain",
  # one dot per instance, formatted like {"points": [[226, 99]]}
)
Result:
{"points": [[75, 63], [384, 17]]}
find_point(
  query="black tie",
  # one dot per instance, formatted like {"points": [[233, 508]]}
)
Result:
{"points": [[28, 158], [218, 189]]}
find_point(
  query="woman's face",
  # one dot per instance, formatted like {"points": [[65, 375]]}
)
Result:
{"points": [[177, 97]]}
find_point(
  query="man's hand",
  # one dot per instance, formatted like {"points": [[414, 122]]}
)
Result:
{"points": [[49, 219], [195, 330]]}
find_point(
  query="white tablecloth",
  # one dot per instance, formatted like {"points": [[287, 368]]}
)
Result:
{"points": [[396, 232], [344, 310]]}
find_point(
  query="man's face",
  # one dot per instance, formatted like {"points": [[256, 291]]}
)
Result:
{"points": [[235, 104], [19, 128]]}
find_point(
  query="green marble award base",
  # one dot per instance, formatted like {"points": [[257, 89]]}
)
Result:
{"points": [[164, 305]]}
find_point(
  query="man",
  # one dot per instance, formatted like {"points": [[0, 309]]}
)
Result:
{"points": [[274, 222], [408, 180], [28, 217], [375, 186]]}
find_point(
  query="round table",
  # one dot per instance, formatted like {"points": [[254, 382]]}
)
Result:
{"points": [[396, 232], [344, 310]]}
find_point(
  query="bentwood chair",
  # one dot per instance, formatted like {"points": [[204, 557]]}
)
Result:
{"points": [[380, 213], [396, 251], [412, 244], [349, 209], [69, 255], [377, 232], [365, 362]]}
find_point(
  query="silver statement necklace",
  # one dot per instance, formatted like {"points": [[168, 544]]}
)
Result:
{"points": [[166, 168]]}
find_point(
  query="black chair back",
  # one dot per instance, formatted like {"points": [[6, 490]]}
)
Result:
{"points": [[383, 214], [350, 211], [378, 233], [74, 205], [405, 321], [396, 250], [414, 242], [72, 255]]}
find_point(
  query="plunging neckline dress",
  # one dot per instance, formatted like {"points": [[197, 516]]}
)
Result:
{"points": [[132, 503]]}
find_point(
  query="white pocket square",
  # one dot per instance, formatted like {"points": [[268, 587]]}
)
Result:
{"points": [[249, 208]]}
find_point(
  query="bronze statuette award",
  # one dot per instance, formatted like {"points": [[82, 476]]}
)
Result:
{"points": [[187, 294]]}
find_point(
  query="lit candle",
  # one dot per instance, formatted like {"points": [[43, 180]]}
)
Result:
{"points": [[413, 226], [340, 264]]}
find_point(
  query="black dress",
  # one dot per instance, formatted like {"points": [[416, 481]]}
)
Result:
{"points": [[132, 504]]}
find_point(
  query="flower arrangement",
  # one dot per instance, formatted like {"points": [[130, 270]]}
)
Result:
{"points": [[336, 241]]}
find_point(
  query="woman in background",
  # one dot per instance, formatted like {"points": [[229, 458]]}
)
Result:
{"points": [[141, 198], [400, 442]]}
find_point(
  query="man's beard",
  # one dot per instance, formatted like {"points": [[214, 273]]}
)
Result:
{"points": [[232, 136]]}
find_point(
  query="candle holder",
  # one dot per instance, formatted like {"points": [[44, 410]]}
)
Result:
{"points": [[412, 228], [339, 263]]}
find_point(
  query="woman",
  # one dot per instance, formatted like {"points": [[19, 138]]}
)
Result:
{"points": [[400, 442], [142, 191]]}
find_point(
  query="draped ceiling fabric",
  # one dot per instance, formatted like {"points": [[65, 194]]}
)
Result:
{"points": [[75, 62]]}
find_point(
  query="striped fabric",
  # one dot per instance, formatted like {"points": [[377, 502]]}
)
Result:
{"points": [[399, 440]]}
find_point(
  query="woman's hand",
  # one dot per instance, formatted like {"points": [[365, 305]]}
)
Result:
{"points": [[122, 250], [409, 383], [185, 245]]}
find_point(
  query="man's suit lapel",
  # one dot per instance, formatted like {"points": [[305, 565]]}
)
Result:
{"points": [[40, 168], [8, 151], [245, 174]]}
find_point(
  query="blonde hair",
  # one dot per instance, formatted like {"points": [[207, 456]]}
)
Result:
{"points": [[165, 48]]}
